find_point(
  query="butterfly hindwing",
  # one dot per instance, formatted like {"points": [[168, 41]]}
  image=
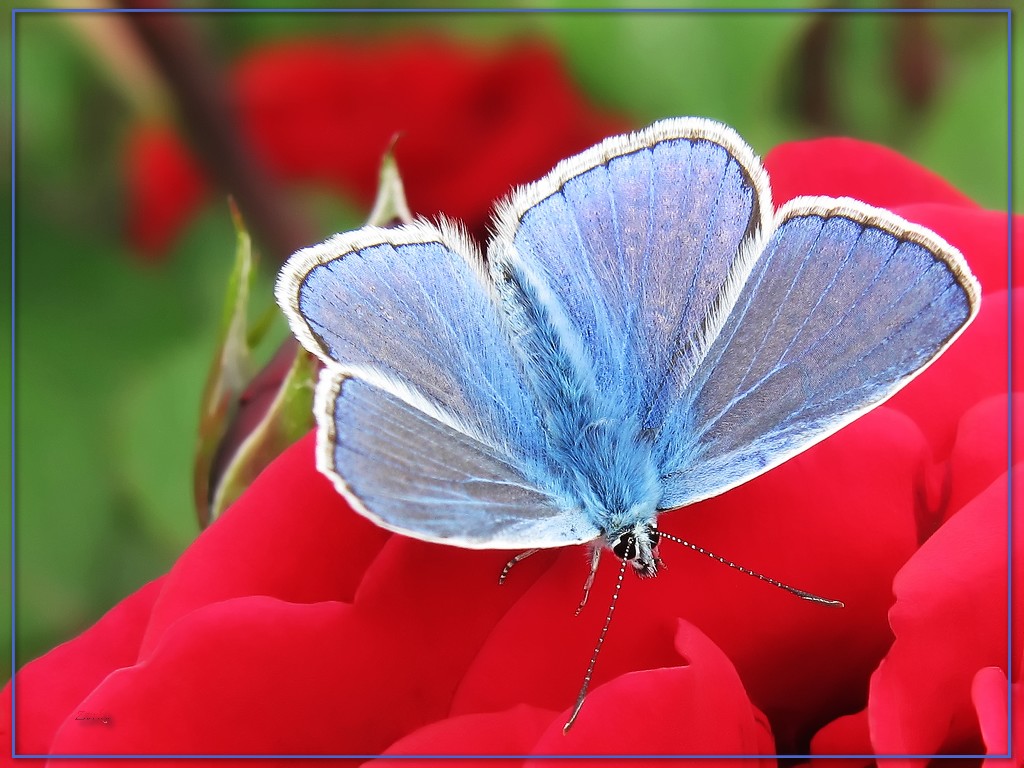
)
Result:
{"points": [[412, 468]]}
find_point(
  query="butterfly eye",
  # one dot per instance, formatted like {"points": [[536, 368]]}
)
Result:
{"points": [[625, 547]]}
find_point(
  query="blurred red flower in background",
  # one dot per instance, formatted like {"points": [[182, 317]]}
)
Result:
{"points": [[472, 124], [293, 625]]}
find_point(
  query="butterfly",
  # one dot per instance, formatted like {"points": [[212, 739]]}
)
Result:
{"points": [[643, 332]]}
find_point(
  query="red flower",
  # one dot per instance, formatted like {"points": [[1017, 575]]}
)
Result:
{"points": [[472, 124], [293, 625], [942, 685]]}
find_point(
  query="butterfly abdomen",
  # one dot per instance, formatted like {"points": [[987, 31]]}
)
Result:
{"points": [[593, 438]]}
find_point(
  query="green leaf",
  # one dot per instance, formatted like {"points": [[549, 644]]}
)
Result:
{"points": [[229, 373], [288, 417], [390, 203]]}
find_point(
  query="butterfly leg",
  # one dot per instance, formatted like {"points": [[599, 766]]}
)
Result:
{"points": [[595, 558], [517, 559]]}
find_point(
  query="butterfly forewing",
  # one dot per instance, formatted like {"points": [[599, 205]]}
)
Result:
{"points": [[634, 239], [411, 303], [844, 307]]}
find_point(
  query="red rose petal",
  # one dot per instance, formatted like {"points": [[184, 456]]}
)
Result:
{"points": [[255, 674], [513, 732], [990, 696], [980, 453], [538, 651], [431, 608], [249, 675], [847, 735], [164, 187], [950, 621], [839, 167], [696, 708], [838, 520], [50, 689], [290, 536], [972, 369]]}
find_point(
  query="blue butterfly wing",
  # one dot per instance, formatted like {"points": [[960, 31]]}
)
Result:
{"points": [[845, 305], [405, 321], [641, 319], [412, 468], [631, 242]]}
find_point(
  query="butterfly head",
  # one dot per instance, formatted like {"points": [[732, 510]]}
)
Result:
{"points": [[639, 547]]}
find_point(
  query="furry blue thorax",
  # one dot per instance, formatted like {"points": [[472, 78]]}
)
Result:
{"points": [[595, 443]]}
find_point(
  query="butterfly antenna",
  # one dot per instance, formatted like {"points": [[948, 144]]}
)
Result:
{"points": [[792, 590], [597, 650]]}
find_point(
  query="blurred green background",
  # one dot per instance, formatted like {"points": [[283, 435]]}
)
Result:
{"points": [[112, 351]]}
